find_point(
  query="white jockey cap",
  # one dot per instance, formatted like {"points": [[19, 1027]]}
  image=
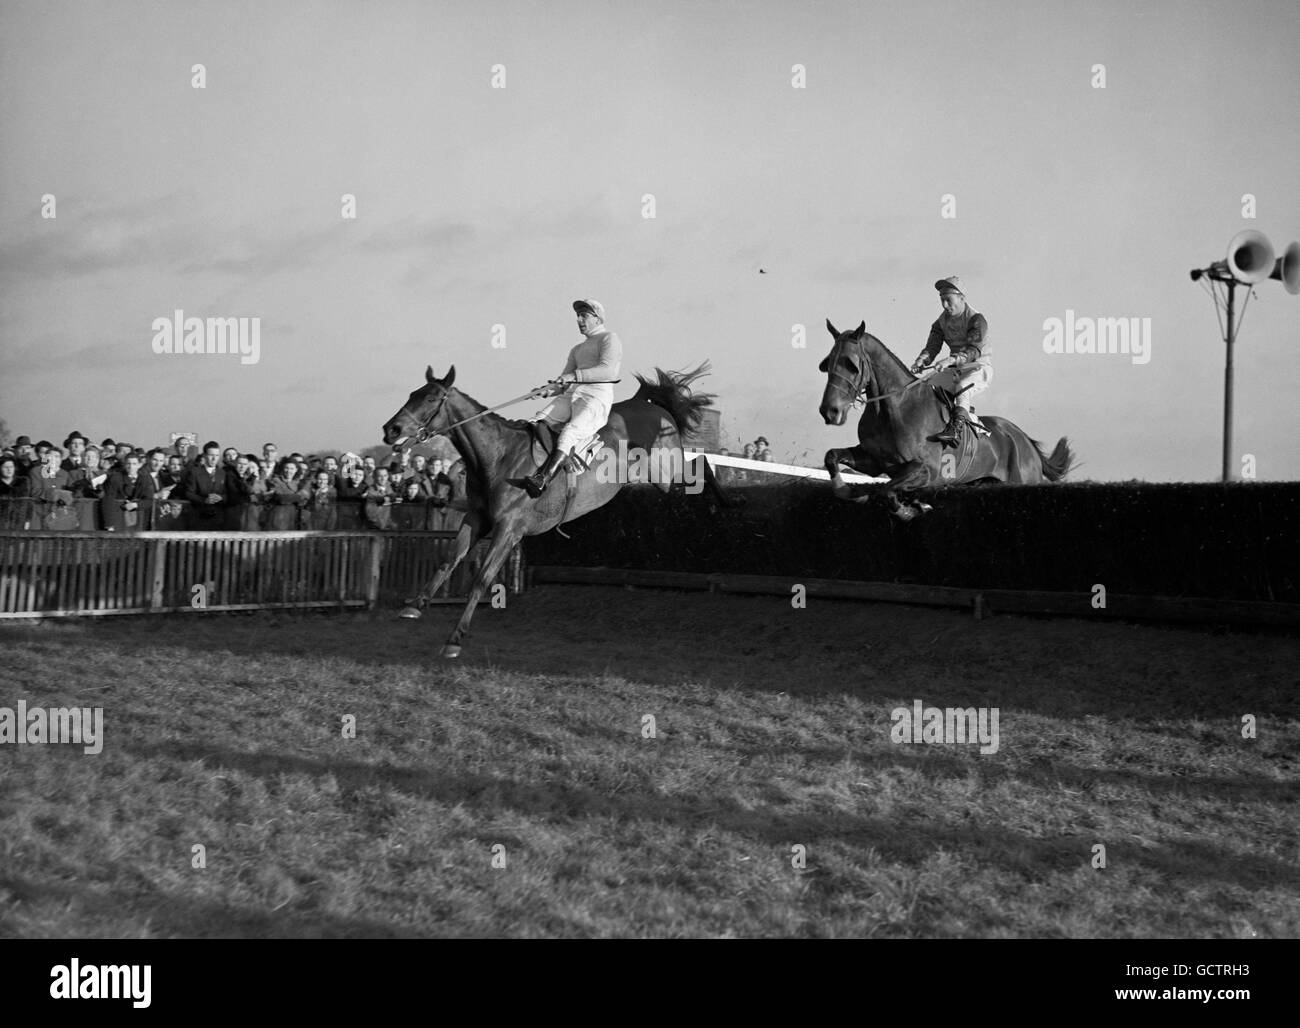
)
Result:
{"points": [[595, 306], [951, 284]]}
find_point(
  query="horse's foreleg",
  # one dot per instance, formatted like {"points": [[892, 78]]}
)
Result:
{"points": [[851, 457], [503, 541], [703, 472], [905, 478], [466, 537]]}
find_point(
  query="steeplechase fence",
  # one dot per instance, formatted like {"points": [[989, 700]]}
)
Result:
{"points": [[66, 573]]}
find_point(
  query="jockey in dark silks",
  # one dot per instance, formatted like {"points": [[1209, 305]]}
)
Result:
{"points": [[965, 331]]}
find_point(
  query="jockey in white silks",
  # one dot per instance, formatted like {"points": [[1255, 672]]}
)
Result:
{"points": [[966, 332], [584, 392]]}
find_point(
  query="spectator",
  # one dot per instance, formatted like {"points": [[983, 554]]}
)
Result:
{"points": [[369, 464], [175, 471], [13, 495], [286, 496], [750, 450], [128, 497], [762, 451], [353, 487], [49, 478], [321, 514], [25, 452], [230, 458], [440, 485], [156, 469], [87, 488], [410, 509], [75, 444], [254, 512], [379, 501], [210, 489]]}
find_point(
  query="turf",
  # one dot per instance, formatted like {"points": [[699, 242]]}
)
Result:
{"points": [[772, 731]]}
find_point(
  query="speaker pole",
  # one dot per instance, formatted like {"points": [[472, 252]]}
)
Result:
{"points": [[1229, 337]]}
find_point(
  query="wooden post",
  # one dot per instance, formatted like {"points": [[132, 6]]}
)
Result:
{"points": [[157, 572], [376, 563]]}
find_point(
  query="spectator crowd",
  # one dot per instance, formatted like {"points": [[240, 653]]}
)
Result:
{"points": [[121, 488]]}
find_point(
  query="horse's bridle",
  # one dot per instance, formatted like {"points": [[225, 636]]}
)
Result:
{"points": [[423, 432], [858, 386]]}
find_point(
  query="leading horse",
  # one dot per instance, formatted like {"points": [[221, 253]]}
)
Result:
{"points": [[496, 450], [898, 417]]}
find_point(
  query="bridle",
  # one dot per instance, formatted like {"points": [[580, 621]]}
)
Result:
{"points": [[423, 432], [858, 385]]}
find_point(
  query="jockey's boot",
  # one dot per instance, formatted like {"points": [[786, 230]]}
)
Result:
{"points": [[536, 483], [951, 435]]}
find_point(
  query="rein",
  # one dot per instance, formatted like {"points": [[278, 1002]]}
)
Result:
{"points": [[422, 433], [858, 390]]}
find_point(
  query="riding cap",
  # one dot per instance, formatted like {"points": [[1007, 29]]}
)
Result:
{"points": [[951, 284], [594, 306]]}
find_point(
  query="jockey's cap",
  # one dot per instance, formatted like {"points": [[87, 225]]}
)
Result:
{"points": [[951, 284], [594, 306]]}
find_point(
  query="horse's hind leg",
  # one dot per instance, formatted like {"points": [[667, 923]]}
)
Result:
{"points": [[503, 541], [468, 535]]}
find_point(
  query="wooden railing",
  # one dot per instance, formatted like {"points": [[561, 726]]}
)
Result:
{"points": [[51, 574]]}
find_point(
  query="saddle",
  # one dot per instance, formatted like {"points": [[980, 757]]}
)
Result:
{"points": [[545, 436], [970, 440]]}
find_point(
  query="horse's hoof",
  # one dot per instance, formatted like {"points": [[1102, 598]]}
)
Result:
{"points": [[409, 612], [923, 508], [904, 513], [450, 652]]}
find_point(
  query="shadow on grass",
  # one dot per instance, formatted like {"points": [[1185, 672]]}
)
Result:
{"points": [[169, 915], [907, 840]]}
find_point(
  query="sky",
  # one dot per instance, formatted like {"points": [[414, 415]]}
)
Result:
{"points": [[479, 206]]}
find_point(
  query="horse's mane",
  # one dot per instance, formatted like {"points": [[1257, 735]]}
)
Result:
{"points": [[672, 391], [902, 367]]}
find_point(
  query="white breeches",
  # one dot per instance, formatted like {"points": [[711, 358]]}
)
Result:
{"points": [[977, 376], [583, 413]]}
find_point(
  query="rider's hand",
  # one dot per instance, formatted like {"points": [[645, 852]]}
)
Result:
{"points": [[917, 367], [960, 358]]}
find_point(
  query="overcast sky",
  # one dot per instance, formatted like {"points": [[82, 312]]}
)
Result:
{"points": [[480, 206]]}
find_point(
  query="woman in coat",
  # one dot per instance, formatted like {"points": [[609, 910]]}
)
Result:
{"points": [[286, 496]]}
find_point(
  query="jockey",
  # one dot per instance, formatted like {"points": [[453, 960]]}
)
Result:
{"points": [[590, 372], [966, 332]]}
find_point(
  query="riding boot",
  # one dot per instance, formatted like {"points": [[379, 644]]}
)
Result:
{"points": [[951, 435], [537, 482]]}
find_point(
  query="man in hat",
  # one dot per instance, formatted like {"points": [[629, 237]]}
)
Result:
{"points": [[583, 393], [965, 331], [26, 454], [75, 444]]}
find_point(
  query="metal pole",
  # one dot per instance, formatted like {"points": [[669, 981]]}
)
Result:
{"points": [[1229, 338]]}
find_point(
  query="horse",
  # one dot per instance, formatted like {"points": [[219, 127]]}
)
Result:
{"points": [[496, 451], [897, 421]]}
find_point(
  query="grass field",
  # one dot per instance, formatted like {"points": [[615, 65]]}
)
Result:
{"points": [[772, 731]]}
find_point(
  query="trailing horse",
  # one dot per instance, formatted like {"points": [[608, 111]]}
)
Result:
{"points": [[496, 450], [898, 417]]}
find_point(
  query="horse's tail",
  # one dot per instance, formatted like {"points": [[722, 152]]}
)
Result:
{"points": [[1061, 461], [673, 393]]}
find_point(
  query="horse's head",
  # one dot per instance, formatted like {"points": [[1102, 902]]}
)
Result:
{"points": [[848, 371], [425, 413]]}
